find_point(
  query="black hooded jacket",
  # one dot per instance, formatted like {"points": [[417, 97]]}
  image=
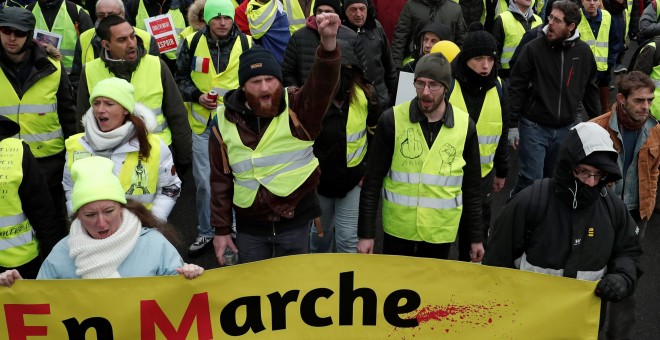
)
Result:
{"points": [[562, 227], [441, 30]]}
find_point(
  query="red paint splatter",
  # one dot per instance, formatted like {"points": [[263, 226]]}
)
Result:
{"points": [[447, 330], [490, 320]]}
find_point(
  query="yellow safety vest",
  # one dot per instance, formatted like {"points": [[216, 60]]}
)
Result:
{"points": [[64, 26], [261, 18], [138, 177], [356, 129], [513, 33], [198, 116], [422, 193], [147, 91], [177, 18], [655, 76], [280, 162], [297, 19], [87, 50], [600, 45], [18, 245], [489, 125], [501, 6], [36, 112]]}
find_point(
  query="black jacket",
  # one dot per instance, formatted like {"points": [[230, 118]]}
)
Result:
{"points": [[380, 67], [380, 161], [36, 201], [549, 80], [541, 229], [300, 53]]}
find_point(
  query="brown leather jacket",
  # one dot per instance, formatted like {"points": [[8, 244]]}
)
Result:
{"points": [[648, 163], [269, 213]]}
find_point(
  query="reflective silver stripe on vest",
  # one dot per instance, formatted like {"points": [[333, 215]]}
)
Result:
{"points": [[424, 202], [144, 198], [178, 31], [12, 220], [198, 117], [523, 264], [486, 159], [509, 49], [157, 111], [67, 53], [657, 83], [355, 154], [605, 44], [488, 139], [505, 60], [42, 137], [306, 155], [263, 17], [161, 127], [221, 91], [601, 59], [355, 136], [254, 184], [414, 178], [289, 15], [27, 108], [590, 42], [16, 241]]}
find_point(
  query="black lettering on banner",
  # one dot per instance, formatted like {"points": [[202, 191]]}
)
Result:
{"points": [[347, 296], [101, 326], [392, 309], [278, 303], [253, 320], [308, 307]]}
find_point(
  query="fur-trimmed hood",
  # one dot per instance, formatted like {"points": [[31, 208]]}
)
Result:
{"points": [[146, 114], [196, 15], [51, 51]]}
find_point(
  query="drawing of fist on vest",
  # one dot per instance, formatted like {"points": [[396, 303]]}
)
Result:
{"points": [[447, 154], [412, 146]]}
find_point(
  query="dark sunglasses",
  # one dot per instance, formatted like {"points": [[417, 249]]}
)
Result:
{"points": [[17, 33]]}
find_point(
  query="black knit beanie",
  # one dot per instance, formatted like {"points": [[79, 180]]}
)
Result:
{"points": [[478, 43], [350, 2], [434, 66], [257, 61], [332, 3]]}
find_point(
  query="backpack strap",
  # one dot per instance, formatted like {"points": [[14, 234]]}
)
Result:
{"points": [[193, 44], [74, 14], [223, 150], [245, 45]]}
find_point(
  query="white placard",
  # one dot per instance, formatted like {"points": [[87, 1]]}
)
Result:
{"points": [[45, 37], [161, 27], [406, 90]]}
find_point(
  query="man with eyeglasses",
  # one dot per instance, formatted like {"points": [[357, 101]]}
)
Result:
{"points": [[636, 138], [573, 224], [554, 73], [425, 158], [36, 94], [88, 46]]}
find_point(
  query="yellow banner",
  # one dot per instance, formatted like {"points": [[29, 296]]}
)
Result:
{"points": [[329, 296]]}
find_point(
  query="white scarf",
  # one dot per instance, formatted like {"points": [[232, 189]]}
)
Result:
{"points": [[100, 258], [103, 143]]}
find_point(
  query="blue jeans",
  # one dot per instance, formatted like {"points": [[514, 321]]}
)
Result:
{"points": [[201, 172], [339, 219], [537, 152], [252, 247]]}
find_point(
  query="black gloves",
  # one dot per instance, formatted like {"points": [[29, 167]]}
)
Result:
{"points": [[614, 287]]}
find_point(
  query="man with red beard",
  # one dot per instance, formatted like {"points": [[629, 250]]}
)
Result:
{"points": [[425, 158], [260, 149], [635, 137], [554, 73]]}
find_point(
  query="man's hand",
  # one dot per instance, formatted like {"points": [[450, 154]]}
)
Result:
{"points": [[328, 25], [498, 184], [514, 138], [190, 271], [365, 246], [477, 252], [220, 243], [206, 102], [8, 278], [613, 287]]}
